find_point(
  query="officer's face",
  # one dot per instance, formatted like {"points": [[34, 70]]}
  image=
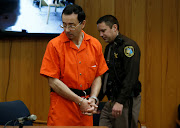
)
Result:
{"points": [[107, 33], [72, 27]]}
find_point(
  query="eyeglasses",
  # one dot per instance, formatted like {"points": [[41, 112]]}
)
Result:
{"points": [[70, 27]]}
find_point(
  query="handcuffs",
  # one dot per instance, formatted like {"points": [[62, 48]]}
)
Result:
{"points": [[93, 97]]}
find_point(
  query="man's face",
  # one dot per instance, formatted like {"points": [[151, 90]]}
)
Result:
{"points": [[107, 33], [14, 16], [72, 21], [9, 19]]}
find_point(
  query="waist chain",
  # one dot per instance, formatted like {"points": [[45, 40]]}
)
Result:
{"points": [[79, 92]]}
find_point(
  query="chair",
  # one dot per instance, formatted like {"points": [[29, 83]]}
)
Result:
{"points": [[12, 110], [53, 3]]}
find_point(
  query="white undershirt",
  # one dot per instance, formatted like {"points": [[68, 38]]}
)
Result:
{"points": [[78, 45]]}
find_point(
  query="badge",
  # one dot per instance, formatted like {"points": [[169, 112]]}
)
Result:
{"points": [[116, 55], [129, 51]]}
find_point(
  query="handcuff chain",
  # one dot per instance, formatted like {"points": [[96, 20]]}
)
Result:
{"points": [[85, 94]]}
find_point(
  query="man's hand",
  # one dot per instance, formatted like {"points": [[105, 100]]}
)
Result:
{"points": [[84, 105], [88, 107], [94, 107], [117, 109]]}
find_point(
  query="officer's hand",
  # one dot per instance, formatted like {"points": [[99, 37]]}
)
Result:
{"points": [[117, 109]]}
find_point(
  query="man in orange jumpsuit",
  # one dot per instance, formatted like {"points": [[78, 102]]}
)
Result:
{"points": [[73, 63]]}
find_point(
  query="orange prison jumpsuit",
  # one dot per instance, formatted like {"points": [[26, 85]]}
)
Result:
{"points": [[77, 68]]}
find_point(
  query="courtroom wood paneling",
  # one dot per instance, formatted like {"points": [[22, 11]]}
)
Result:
{"points": [[138, 33], [153, 59], [123, 12], [178, 36], [106, 8], [15, 72], [20, 61], [80, 3], [170, 62], [42, 90], [92, 16], [4, 67]]}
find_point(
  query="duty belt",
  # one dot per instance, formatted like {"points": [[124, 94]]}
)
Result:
{"points": [[79, 92]]}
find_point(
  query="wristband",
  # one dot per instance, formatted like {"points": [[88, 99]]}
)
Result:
{"points": [[96, 99]]}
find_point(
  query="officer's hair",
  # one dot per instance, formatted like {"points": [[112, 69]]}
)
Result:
{"points": [[76, 9], [8, 6], [109, 20]]}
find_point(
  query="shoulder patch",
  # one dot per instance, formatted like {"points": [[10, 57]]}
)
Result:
{"points": [[129, 51]]}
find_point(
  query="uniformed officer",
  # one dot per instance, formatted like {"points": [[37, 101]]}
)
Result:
{"points": [[120, 82]]}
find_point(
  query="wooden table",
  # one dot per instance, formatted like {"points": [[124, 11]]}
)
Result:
{"points": [[55, 127]]}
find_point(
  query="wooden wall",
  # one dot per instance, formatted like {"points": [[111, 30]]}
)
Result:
{"points": [[20, 61], [153, 24]]}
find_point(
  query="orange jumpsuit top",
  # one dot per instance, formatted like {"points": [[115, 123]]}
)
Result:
{"points": [[77, 68]]}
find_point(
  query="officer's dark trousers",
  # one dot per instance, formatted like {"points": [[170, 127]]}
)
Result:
{"points": [[106, 118]]}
